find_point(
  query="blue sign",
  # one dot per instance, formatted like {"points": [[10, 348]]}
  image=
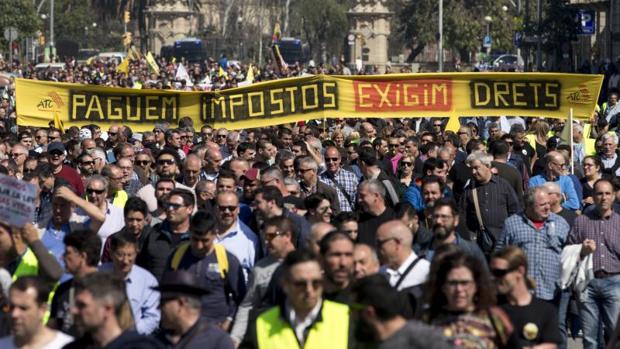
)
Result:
{"points": [[486, 43], [587, 23]]}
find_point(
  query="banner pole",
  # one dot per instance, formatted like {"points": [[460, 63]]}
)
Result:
{"points": [[572, 146]]}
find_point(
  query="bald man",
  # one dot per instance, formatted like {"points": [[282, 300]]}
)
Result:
{"points": [[365, 261], [555, 166], [317, 232], [400, 264]]}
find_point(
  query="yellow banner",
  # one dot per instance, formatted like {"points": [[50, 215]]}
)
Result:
{"points": [[314, 97]]}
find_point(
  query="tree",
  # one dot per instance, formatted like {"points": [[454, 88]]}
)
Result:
{"points": [[20, 14], [322, 23], [418, 25], [560, 29]]}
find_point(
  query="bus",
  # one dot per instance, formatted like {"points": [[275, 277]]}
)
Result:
{"points": [[192, 49], [294, 50]]}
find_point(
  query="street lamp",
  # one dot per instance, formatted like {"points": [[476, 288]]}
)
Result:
{"points": [[488, 19], [440, 38]]}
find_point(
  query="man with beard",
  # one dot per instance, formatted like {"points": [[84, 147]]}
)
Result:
{"points": [[250, 184], [163, 187], [27, 301], [381, 323], [86, 165], [345, 182], [445, 221], [136, 219], [337, 259]]}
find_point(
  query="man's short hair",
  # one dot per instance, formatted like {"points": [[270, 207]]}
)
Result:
{"points": [[368, 157], [326, 242], [433, 163], [375, 290], [284, 225], [297, 257], [203, 223], [374, 186], [499, 148], [23, 283], [446, 202], [186, 195], [104, 287], [87, 242], [122, 239], [428, 180], [483, 157], [136, 204], [272, 194], [165, 179]]}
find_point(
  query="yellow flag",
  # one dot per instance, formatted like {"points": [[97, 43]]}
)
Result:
{"points": [[58, 123], [250, 77], [453, 124], [134, 54], [152, 64], [90, 60], [222, 72], [124, 66]]}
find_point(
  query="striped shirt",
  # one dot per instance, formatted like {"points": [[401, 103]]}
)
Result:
{"points": [[605, 232]]}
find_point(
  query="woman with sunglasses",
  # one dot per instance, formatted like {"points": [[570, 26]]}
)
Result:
{"points": [[535, 321], [319, 208], [405, 171], [462, 303]]}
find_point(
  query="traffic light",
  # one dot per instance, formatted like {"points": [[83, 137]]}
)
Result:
{"points": [[127, 39], [41, 40], [126, 16]]}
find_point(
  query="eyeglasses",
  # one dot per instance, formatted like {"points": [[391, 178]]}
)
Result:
{"points": [[384, 241], [303, 284], [157, 131], [28, 170], [221, 136], [500, 273], [172, 206], [95, 191], [332, 159], [143, 162], [17, 154], [87, 163], [165, 162], [560, 165], [112, 133], [227, 208], [407, 163]]}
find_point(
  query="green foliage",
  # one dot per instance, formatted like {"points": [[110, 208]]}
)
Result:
{"points": [[320, 22], [463, 22], [20, 14], [560, 27]]}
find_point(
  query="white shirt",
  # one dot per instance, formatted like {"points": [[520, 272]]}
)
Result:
{"points": [[300, 325], [114, 221], [416, 276], [59, 341]]}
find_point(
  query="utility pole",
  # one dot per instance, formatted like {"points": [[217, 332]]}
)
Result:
{"points": [[539, 33], [440, 45], [52, 51], [260, 33]]}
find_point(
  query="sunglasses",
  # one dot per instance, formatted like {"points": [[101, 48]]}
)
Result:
{"points": [[406, 163], [143, 162], [57, 153], [394, 145], [165, 162], [500, 273], [303, 284], [227, 208], [221, 136], [95, 191], [86, 163], [172, 206], [112, 133], [271, 236], [332, 159], [16, 154]]}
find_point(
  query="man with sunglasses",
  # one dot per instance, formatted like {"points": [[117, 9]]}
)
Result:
{"points": [[307, 171], [555, 163], [170, 233], [160, 135], [344, 182], [56, 157], [19, 154], [305, 319]]}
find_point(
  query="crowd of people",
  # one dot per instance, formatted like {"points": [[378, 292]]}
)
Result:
{"points": [[347, 233]]}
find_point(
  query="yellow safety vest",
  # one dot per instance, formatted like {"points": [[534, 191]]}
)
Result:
{"points": [[332, 332], [29, 266], [120, 198]]}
